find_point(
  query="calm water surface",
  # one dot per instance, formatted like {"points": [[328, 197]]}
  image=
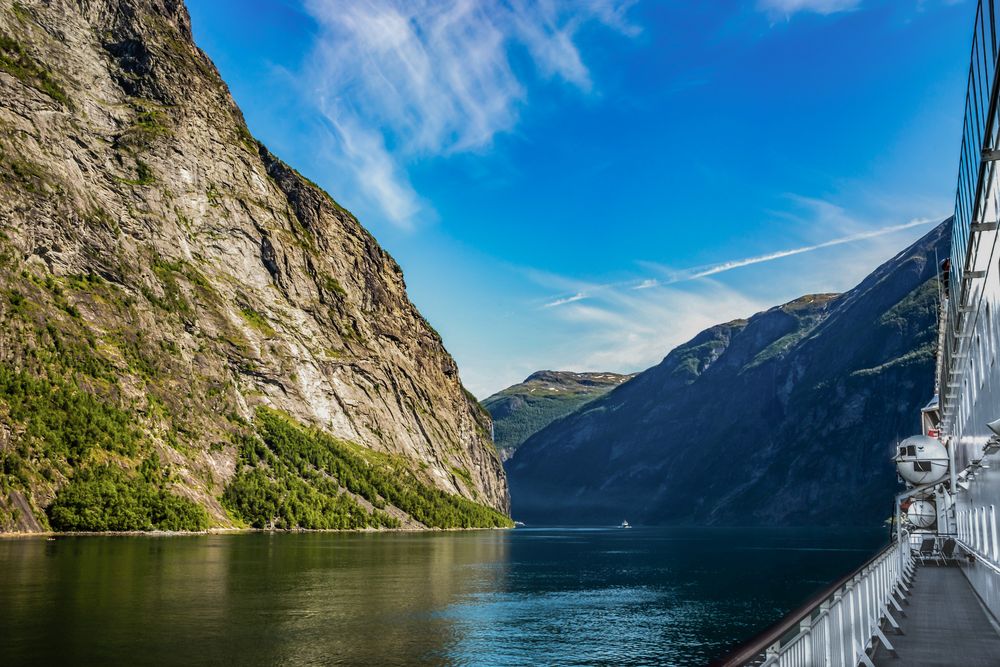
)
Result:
{"points": [[645, 596]]}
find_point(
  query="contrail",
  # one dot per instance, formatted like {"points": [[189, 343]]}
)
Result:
{"points": [[570, 299], [696, 272], [711, 270]]}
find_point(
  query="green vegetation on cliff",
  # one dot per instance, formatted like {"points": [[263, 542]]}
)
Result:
{"points": [[16, 62], [78, 449], [523, 409], [62, 426], [74, 434], [67, 421], [298, 477], [109, 498]]}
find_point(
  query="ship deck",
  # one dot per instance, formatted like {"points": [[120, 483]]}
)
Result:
{"points": [[945, 624]]}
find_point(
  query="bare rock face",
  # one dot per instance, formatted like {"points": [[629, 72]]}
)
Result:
{"points": [[163, 260]]}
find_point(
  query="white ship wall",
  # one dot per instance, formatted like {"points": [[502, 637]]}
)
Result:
{"points": [[968, 372], [977, 402]]}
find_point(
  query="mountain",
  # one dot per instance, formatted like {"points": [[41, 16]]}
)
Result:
{"points": [[522, 409], [191, 333], [788, 417]]}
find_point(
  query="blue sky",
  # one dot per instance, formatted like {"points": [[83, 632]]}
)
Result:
{"points": [[583, 185]]}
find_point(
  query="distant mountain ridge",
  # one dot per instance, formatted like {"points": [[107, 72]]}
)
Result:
{"points": [[544, 396], [787, 417]]}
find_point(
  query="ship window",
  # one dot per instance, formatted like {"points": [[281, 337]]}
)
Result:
{"points": [[911, 450], [922, 466]]}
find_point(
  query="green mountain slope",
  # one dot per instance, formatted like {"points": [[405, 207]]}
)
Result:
{"points": [[522, 409]]}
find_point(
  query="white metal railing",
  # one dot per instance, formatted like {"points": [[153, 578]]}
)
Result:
{"points": [[839, 626]]}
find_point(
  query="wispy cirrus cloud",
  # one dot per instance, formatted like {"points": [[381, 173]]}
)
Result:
{"points": [[402, 80], [625, 329], [786, 8]]}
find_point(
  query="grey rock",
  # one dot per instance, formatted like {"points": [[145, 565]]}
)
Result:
{"points": [[242, 281]]}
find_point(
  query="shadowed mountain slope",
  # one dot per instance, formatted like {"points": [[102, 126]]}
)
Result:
{"points": [[788, 417]]}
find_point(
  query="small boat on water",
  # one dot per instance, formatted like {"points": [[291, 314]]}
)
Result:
{"points": [[624, 524]]}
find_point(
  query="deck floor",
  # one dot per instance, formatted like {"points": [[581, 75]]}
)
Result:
{"points": [[945, 625]]}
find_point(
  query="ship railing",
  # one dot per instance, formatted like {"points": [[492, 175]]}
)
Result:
{"points": [[837, 627], [974, 214]]}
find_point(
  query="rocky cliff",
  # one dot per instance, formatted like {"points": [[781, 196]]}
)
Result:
{"points": [[166, 284], [788, 417], [523, 409]]}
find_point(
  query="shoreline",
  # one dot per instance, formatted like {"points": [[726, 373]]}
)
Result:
{"points": [[230, 531]]}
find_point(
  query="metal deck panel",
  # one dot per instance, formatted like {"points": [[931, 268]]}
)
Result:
{"points": [[945, 625]]}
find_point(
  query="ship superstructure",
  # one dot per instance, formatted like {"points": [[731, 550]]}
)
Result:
{"points": [[968, 377], [932, 596]]}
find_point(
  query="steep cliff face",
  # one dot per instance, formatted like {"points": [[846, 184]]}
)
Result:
{"points": [[788, 417], [523, 409], [163, 270]]}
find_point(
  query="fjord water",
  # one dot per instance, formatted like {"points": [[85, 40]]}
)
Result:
{"points": [[645, 596]]}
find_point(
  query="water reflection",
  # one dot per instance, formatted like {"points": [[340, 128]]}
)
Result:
{"points": [[644, 596]]}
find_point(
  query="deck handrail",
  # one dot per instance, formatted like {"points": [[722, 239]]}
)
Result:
{"points": [[766, 648]]}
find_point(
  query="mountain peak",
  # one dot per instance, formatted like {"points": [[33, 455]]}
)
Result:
{"points": [[577, 378]]}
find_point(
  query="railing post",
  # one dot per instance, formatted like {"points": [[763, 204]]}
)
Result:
{"points": [[805, 627], [904, 557], [880, 588], [837, 607], [825, 610], [851, 595], [866, 607], [872, 595], [841, 627], [771, 654]]}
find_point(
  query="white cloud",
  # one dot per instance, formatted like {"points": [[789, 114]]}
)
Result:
{"points": [[402, 80], [362, 152], [626, 330], [788, 7]]}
